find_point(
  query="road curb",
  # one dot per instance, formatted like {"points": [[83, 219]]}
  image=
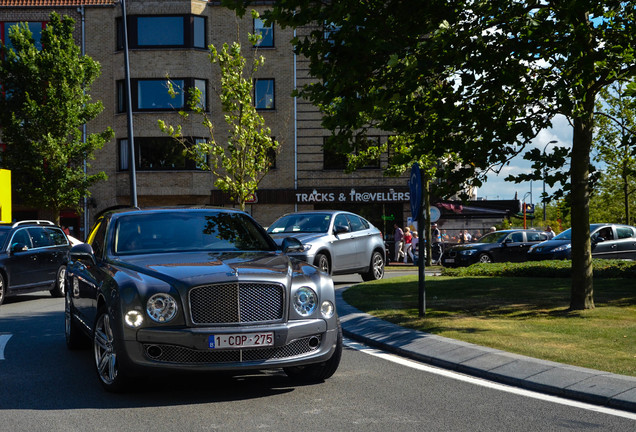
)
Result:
{"points": [[581, 384]]}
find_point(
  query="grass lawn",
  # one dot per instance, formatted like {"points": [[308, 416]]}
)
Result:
{"points": [[526, 316]]}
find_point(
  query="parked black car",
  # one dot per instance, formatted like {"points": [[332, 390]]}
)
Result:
{"points": [[498, 246], [610, 241], [197, 289], [33, 257]]}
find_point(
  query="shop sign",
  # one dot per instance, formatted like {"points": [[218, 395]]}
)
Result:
{"points": [[352, 196]]}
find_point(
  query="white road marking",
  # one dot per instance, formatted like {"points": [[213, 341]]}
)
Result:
{"points": [[484, 383], [4, 339]]}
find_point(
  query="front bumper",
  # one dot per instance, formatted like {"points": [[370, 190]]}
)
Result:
{"points": [[295, 343], [458, 260]]}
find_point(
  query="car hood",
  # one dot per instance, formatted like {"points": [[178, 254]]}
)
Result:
{"points": [[550, 244], [469, 246], [197, 268], [302, 237]]}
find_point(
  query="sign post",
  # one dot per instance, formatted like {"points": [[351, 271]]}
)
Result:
{"points": [[416, 191]]}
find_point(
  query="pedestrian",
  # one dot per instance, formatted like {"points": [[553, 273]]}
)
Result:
{"points": [[414, 249], [549, 232], [398, 238], [408, 237], [436, 236]]}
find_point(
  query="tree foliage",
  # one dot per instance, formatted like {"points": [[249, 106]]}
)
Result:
{"points": [[615, 147], [242, 160], [45, 104], [478, 79]]}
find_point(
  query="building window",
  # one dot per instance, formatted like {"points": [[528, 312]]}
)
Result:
{"points": [[163, 31], [156, 154], [264, 94], [266, 32], [153, 94], [35, 27], [337, 160]]}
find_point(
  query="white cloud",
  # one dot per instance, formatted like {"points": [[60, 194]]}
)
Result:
{"points": [[496, 188]]}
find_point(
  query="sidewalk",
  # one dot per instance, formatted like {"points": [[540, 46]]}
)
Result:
{"points": [[586, 385]]}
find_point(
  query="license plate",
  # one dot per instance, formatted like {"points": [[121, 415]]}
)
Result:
{"points": [[241, 340], [449, 260]]}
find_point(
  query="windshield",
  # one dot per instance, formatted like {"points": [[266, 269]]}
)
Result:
{"points": [[301, 222], [189, 231], [565, 235], [493, 237]]}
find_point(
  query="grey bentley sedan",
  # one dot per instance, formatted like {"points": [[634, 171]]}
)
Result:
{"points": [[197, 289]]}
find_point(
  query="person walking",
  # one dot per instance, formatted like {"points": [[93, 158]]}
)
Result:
{"points": [[408, 237], [398, 237], [413, 250]]}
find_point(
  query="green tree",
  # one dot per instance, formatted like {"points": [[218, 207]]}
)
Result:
{"points": [[479, 79], [242, 160], [614, 144], [45, 104]]}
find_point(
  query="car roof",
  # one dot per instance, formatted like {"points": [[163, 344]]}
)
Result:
{"points": [[122, 210]]}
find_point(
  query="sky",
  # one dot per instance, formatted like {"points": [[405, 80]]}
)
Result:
{"points": [[496, 188]]}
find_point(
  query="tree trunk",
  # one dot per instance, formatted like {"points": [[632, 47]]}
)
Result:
{"points": [[582, 293]]}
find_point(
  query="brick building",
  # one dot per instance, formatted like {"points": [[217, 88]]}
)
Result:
{"points": [[169, 38]]}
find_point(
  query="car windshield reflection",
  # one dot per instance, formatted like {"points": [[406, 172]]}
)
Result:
{"points": [[306, 223], [182, 232], [495, 237]]}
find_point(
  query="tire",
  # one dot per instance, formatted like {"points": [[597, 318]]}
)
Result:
{"points": [[109, 371], [376, 268], [75, 338], [319, 372], [484, 258], [59, 289], [322, 262], [3, 288]]}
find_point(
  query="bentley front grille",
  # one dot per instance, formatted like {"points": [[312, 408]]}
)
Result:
{"points": [[233, 303]]}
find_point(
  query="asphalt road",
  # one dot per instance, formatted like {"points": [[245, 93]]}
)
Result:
{"points": [[45, 387]]}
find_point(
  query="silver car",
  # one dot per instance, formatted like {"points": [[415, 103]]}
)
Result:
{"points": [[197, 289], [337, 242]]}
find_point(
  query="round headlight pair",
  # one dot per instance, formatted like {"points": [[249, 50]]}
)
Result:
{"points": [[160, 308], [306, 301]]}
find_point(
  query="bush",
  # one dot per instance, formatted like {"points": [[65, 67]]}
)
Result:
{"points": [[552, 269]]}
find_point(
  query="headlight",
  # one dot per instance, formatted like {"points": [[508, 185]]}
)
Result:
{"points": [[305, 301], [327, 309], [306, 247], [161, 308], [468, 252], [562, 248]]}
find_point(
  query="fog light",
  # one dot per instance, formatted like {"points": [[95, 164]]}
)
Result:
{"points": [[327, 309], [134, 318]]}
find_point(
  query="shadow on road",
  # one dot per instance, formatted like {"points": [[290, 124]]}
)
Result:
{"points": [[40, 373]]}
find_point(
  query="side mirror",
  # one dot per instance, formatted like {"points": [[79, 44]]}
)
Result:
{"points": [[292, 244], [339, 229], [83, 252], [19, 247]]}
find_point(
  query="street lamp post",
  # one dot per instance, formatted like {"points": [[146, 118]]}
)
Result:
{"points": [[131, 139], [524, 206], [545, 173]]}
